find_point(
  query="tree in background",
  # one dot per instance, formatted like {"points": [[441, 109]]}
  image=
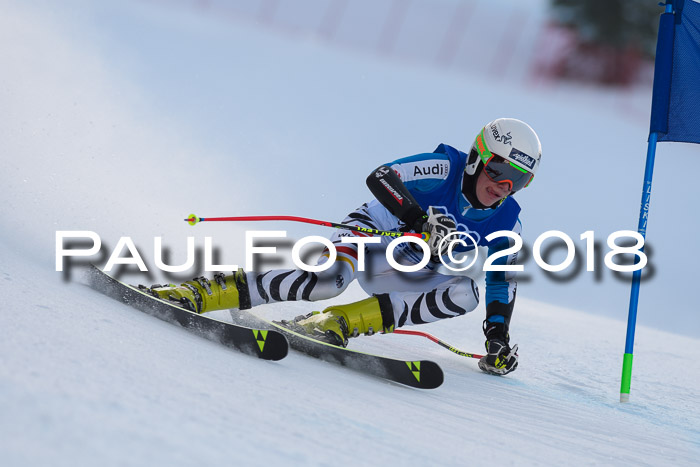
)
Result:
{"points": [[606, 41]]}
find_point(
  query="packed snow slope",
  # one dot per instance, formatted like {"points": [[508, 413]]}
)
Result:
{"points": [[87, 381], [123, 117]]}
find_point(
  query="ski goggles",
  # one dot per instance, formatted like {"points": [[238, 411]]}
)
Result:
{"points": [[501, 170]]}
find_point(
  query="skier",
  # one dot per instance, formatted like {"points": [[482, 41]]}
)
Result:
{"points": [[440, 193]]}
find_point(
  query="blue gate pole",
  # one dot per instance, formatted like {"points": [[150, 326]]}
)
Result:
{"points": [[659, 124], [637, 275]]}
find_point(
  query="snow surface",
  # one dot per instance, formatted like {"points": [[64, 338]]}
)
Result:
{"points": [[121, 117]]}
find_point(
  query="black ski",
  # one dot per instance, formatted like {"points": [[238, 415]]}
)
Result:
{"points": [[263, 343], [422, 374]]}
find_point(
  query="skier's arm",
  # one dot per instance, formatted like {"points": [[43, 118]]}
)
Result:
{"points": [[390, 191], [393, 183], [501, 285], [500, 358]]}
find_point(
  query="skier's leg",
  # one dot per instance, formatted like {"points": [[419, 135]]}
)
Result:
{"points": [[439, 297], [453, 296], [296, 284], [245, 290]]}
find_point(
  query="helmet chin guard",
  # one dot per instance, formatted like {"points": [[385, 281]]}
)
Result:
{"points": [[473, 161]]}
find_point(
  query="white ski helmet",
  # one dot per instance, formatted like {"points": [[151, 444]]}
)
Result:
{"points": [[516, 143]]}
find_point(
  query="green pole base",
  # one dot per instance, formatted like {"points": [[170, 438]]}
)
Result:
{"points": [[626, 378]]}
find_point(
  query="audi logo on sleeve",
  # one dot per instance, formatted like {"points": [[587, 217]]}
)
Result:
{"points": [[433, 168]]}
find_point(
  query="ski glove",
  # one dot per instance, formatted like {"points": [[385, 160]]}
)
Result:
{"points": [[500, 358], [438, 225]]}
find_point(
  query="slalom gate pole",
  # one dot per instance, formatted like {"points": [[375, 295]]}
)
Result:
{"points": [[659, 124], [193, 220], [626, 379], [437, 341]]}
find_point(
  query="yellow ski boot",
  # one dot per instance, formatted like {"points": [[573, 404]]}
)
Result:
{"points": [[337, 323], [201, 295]]}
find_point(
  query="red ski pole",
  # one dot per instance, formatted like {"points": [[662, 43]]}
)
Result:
{"points": [[438, 341], [193, 220]]}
